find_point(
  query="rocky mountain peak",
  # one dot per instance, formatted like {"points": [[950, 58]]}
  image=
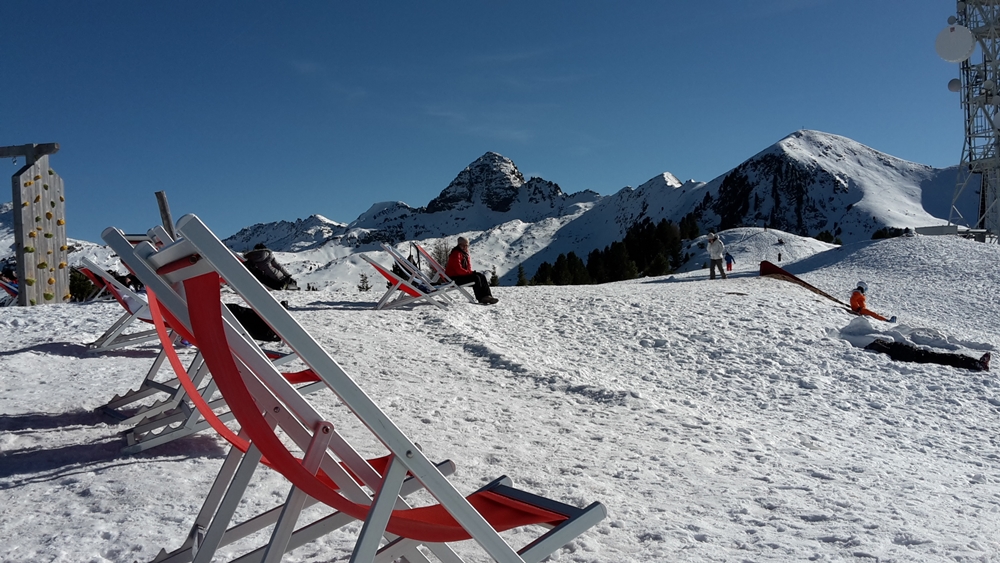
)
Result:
{"points": [[492, 180]]}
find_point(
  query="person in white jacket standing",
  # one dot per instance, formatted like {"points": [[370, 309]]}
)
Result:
{"points": [[716, 251]]}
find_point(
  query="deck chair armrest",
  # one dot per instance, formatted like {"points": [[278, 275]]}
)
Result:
{"points": [[536, 500]]}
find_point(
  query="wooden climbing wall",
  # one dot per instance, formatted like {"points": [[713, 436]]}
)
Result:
{"points": [[40, 234]]}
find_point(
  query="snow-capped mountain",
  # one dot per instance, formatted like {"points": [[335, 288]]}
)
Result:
{"points": [[806, 183], [286, 236], [811, 182]]}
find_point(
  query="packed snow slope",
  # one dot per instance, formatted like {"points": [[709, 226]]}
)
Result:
{"points": [[717, 420]]}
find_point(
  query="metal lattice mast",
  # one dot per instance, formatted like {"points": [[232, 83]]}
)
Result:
{"points": [[980, 91]]}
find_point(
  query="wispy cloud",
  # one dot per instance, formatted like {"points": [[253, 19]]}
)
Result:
{"points": [[508, 57], [490, 124], [308, 67], [326, 80]]}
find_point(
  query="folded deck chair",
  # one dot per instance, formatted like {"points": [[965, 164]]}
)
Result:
{"points": [[282, 427], [8, 294], [440, 284], [135, 308]]}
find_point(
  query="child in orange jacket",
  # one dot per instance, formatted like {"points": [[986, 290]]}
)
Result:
{"points": [[858, 303]]}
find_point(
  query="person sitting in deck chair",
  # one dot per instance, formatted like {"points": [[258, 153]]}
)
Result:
{"points": [[266, 268], [460, 270]]}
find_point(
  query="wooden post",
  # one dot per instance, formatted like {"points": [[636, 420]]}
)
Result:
{"points": [[39, 227], [168, 221]]}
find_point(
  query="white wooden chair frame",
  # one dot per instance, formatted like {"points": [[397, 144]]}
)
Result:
{"points": [[442, 286], [275, 404], [115, 336], [402, 291]]}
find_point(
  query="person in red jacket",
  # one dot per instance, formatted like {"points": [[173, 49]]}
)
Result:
{"points": [[459, 268], [858, 304]]}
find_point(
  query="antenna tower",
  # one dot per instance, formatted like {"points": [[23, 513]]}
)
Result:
{"points": [[977, 24]]}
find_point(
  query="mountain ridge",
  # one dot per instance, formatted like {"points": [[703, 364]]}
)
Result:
{"points": [[806, 183]]}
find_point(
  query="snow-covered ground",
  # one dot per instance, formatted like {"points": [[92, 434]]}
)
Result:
{"points": [[716, 420]]}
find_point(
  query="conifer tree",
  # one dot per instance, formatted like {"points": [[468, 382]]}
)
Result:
{"points": [[543, 276], [577, 270], [595, 267], [364, 284]]}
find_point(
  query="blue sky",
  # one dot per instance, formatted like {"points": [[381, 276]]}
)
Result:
{"points": [[252, 111]]}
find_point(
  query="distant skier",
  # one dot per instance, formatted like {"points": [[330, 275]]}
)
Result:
{"points": [[716, 250], [859, 304], [729, 262]]}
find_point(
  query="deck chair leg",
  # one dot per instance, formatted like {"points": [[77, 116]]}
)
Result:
{"points": [[558, 536], [408, 550], [114, 330], [296, 498], [385, 298], [172, 387], [148, 387], [204, 552], [327, 524], [378, 515], [209, 508]]}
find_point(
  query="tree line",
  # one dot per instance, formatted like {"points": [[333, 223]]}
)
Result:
{"points": [[648, 249]]}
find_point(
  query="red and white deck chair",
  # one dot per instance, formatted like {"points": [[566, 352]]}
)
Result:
{"points": [[439, 272], [135, 309], [8, 294], [217, 511], [440, 284], [304, 445], [403, 290]]}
